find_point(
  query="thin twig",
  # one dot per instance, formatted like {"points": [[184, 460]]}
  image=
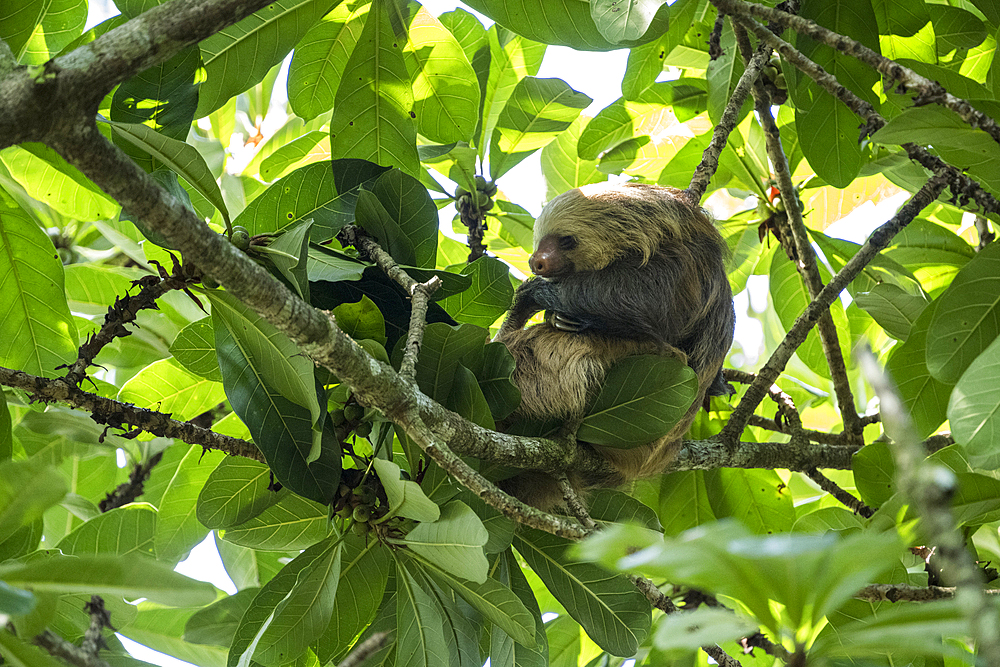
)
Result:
{"points": [[117, 414], [828, 485], [573, 501], [710, 158], [420, 296], [906, 593]]}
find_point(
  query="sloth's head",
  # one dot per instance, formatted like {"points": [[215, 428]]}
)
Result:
{"points": [[590, 227]]}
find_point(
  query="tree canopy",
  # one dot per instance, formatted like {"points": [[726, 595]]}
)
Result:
{"points": [[271, 341]]}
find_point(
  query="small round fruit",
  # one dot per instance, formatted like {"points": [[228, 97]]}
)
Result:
{"points": [[362, 513], [240, 238], [364, 429], [353, 412]]}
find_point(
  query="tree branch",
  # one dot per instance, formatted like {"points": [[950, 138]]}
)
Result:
{"points": [[878, 240]]}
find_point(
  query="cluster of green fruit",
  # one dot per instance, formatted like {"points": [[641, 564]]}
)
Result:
{"points": [[481, 198], [359, 498], [240, 238], [774, 80], [353, 415]]}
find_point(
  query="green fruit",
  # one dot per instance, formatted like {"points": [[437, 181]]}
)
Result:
{"points": [[780, 83], [362, 513], [345, 512], [461, 192], [337, 417], [359, 528], [364, 429], [353, 412], [482, 199], [240, 238], [365, 495], [491, 189], [481, 182], [779, 205]]}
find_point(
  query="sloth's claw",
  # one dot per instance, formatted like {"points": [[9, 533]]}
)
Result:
{"points": [[565, 323]]}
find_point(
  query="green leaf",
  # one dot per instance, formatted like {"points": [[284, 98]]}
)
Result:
{"points": [[620, 22], [180, 157], [611, 506], [924, 396], [454, 542], [282, 430], [875, 473], [22, 654], [967, 317], [828, 130], [126, 576], [977, 500], [974, 408], [258, 615], [361, 320], [562, 167], [512, 58], [36, 30], [406, 498], [399, 212], [561, 22], [612, 611], [371, 118], [443, 348], [445, 88], [956, 28], [238, 489], [495, 374], [163, 97], [194, 349], [495, 601], [723, 74], [790, 300], [217, 623], [504, 650], [364, 572], [303, 615], [758, 498], [419, 620], [467, 399], [537, 111], [37, 332], [14, 601], [289, 253], [487, 299], [645, 62], [642, 398], [329, 265], [324, 191], [905, 30], [241, 55], [120, 531], [168, 387], [320, 57], [894, 309], [47, 177], [27, 489], [178, 528], [291, 523]]}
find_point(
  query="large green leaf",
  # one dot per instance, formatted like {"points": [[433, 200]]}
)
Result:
{"points": [[364, 571], [827, 129], [924, 396], [320, 57], [967, 317], [237, 490], [37, 332], [168, 387], [757, 498], [905, 30], [445, 88], [645, 62], [564, 22], [454, 542], [642, 398], [292, 523], [194, 349], [217, 623], [180, 157], [324, 191], [399, 212], [504, 650], [304, 614], [420, 639], [537, 111], [443, 348], [612, 611], [120, 531], [974, 408], [489, 296], [512, 58], [261, 368], [127, 576], [27, 489], [241, 55], [372, 113], [36, 30], [562, 167], [178, 528], [894, 309], [628, 22]]}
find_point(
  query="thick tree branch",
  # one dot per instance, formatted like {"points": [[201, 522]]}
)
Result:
{"points": [[38, 103], [904, 593]]}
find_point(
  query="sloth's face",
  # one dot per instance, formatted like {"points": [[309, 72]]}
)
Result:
{"points": [[553, 256]]}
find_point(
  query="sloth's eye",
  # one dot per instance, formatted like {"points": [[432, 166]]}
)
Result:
{"points": [[567, 242]]}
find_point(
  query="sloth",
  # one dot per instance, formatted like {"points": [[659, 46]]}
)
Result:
{"points": [[621, 270]]}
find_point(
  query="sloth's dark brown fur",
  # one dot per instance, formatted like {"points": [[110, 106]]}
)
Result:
{"points": [[623, 270]]}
